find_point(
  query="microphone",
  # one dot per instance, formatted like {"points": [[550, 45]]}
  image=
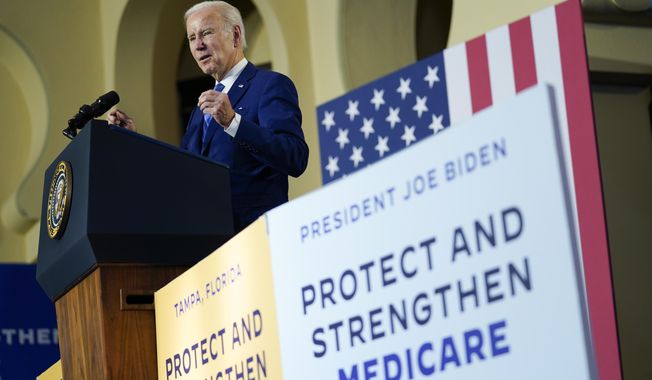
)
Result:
{"points": [[88, 112]]}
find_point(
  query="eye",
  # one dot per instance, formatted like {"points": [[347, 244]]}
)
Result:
{"points": [[207, 33], [191, 38]]}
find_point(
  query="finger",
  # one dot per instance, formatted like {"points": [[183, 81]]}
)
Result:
{"points": [[206, 97], [204, 103], [212, 95], [112, 118], [208, 108]]}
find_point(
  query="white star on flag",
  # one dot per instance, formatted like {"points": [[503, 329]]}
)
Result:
{"points": [[436, 126], [432, 76], [392, 117], [356, 156], [378, 100], [329, 120], [382, 147], [408, 135], [332, 166], [352, 111], [404, 88], [342, 137], [420, 106], [367, 127]]}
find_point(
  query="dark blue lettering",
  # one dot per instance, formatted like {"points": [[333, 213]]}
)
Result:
{"points": [[326, 223], [307, 301], [484, 155], [489, 285], [258, 323], [496, 337], [524, 278], [386, 269], [427, 244], [473, 292], [449, 353], [348, 273], [355, 213], [337, 217], [392, 366], [376, 324], [441, 291], [356, 326], [318, 342], [511, 234], [394, 315], [366, 207], [353, 376], [369, 369], [406, 273], [489, 235], [335, 327], [425, 309], [425, 370], [328, 292], [457, 248], [471, 348], [365, 267], [500, 149]]}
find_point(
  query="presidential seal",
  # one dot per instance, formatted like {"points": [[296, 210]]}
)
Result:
{"points": [[59, 200]]}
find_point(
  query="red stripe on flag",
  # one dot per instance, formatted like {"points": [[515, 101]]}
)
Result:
{"points": [[588, 190], [479, 81], [520, 36]]}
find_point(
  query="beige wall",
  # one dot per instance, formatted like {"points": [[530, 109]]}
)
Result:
{"points": [[52, 53], [12, 145], [472, 18]]}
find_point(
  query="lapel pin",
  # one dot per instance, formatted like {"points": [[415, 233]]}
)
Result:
{"points": [[241, 85]]}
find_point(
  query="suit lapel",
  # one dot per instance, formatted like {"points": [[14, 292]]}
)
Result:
{"points": [[194, 132], [242, 84], [236, 92], [210, 131]]}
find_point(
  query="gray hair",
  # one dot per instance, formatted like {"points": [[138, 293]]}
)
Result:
{"points": [[230, 15]]}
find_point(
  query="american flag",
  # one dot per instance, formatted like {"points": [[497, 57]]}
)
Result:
{"points": [[420, 100], [383, 117], [391, 113]]}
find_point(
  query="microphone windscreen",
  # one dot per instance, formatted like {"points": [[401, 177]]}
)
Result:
{"points": [[105, 102]]}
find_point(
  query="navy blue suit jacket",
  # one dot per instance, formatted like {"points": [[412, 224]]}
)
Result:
{"points": [[268, 146]]}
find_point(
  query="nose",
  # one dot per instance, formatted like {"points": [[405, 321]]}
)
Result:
{"points": [[199, 44]]}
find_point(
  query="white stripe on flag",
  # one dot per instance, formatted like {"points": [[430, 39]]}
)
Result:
{"points": [[501, 69], [457, 84], [548, 61]]}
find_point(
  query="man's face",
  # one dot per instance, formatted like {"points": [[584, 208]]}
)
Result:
{"points": [[211, 46]]}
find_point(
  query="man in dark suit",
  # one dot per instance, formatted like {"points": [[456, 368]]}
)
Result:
{"points": [[250, 121]]}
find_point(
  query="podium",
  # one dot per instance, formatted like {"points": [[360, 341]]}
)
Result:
{"points": [[123, 214]]}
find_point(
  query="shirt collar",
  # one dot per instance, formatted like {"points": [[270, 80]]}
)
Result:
{"points": [[233, 74]]}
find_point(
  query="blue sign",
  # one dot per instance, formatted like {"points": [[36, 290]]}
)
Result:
{"points": [[28, 327]]}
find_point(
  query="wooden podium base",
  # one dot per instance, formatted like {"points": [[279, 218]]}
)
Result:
{"points": [[106, 322]]}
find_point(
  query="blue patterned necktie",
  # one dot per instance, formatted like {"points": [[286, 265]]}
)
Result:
{"points": [[207, 117]]}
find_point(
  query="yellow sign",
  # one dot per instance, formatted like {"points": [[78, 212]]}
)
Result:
{"points": [[52, 373], [218, 319]]}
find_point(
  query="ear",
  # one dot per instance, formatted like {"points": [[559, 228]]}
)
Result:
{"points": [[237, 36]]}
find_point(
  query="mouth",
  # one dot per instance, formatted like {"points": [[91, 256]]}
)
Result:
{"points": [[204, 58]]}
